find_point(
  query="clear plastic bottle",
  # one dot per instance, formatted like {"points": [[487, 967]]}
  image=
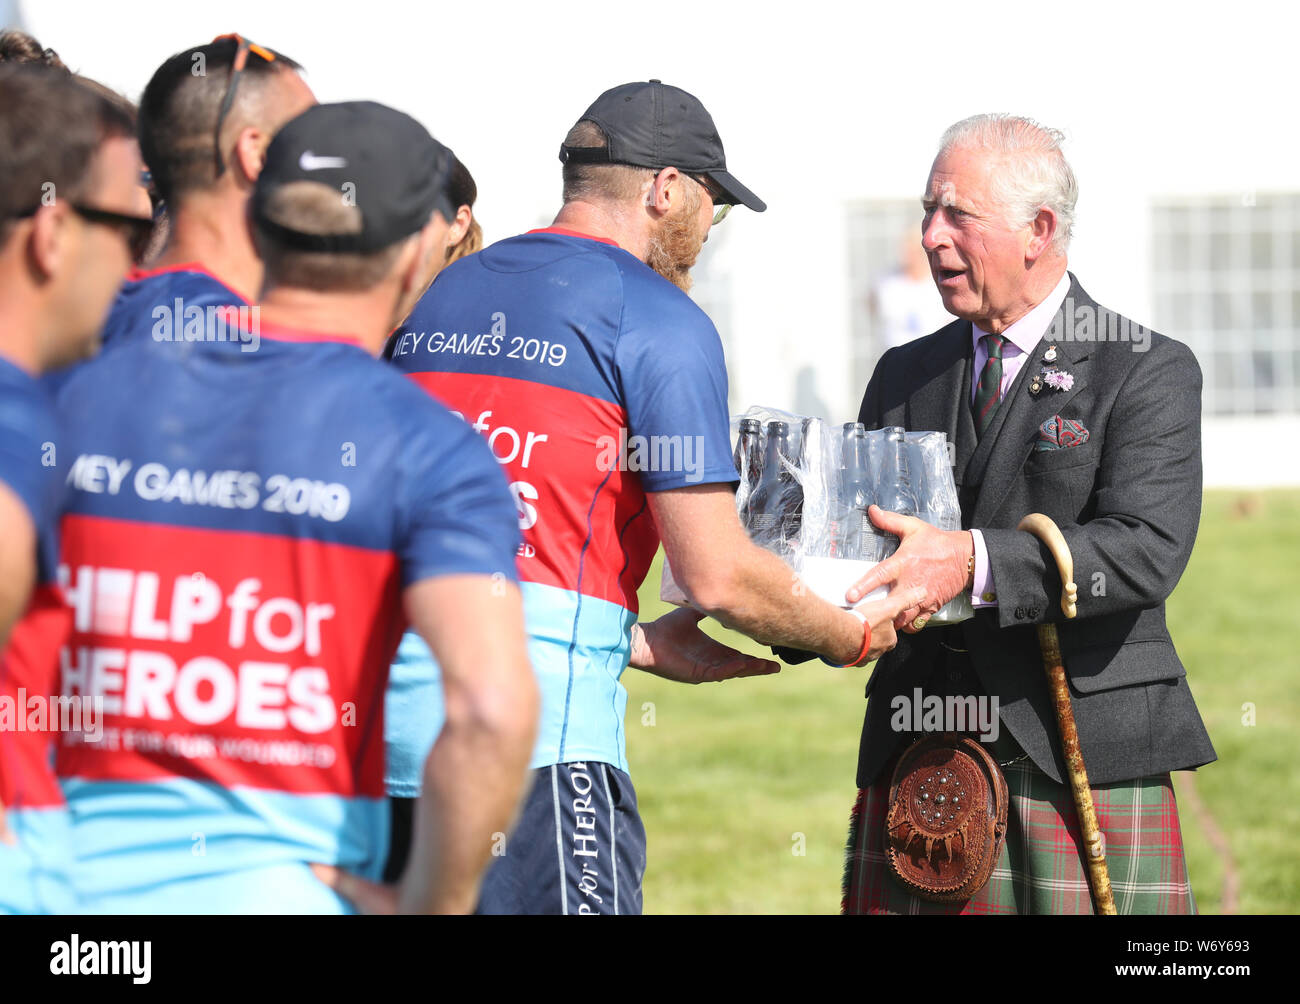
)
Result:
{"points": [[794, 504], [748, 459], [895, 492], [854, 537], [772, 501]]}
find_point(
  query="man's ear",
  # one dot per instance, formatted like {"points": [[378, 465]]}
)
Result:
{"points": [[250, 153], [1042, 230], [667, 190], [459, 226], [48, 238]]}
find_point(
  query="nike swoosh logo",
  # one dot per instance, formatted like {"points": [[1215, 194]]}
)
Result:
{"points": [[310, 162]]}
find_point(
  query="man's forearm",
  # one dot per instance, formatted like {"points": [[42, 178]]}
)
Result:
{"points": [[746, 588], [765, 600], [1110, 580]]}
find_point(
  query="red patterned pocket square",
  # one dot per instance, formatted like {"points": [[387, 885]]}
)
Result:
{"points": [[1059, 433]]}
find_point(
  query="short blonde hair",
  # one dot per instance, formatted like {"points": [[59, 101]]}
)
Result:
{"points": [[313, 208], [600, 182]]}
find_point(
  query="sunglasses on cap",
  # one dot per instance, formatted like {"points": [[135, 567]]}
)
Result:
{"points": [[242, 50]]}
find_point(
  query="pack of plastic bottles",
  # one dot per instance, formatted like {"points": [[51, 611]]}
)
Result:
{"points": [[805, 487]]}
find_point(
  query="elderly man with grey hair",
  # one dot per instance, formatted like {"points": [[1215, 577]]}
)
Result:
{"points": [[1057, 405]]}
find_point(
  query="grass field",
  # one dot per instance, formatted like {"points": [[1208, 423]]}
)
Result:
{"points": [[745, 787]]}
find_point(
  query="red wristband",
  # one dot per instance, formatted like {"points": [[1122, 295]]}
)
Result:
{"points": [[866, 643]]}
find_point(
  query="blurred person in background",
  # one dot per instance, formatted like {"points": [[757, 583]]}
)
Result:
{"points": [[68, 217], [412, 715], [904, 303], [206, 118], [204, 121], [19, 47], [465, 235]]}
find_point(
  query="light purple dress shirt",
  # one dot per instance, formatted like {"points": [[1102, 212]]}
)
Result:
{"points": [[1022, 338]]}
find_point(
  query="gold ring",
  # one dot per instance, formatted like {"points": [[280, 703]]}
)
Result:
{"points": [[919, 623]]}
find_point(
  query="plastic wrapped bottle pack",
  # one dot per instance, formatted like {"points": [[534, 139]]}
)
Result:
{"points": [[805, 487]]}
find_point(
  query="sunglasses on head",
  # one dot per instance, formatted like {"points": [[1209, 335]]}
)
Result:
{"points": [[242, 50]]}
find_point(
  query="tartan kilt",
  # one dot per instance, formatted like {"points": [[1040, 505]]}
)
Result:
{"points": [[1041, 868]]}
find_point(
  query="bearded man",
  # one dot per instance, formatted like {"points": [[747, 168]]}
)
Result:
{"points": [[602, 389]]}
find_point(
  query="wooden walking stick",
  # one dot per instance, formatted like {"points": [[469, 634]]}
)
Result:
{"points": [[1050, 643]]}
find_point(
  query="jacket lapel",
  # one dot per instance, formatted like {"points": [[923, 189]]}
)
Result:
{"points": [[936, 403], [1010, 438]]}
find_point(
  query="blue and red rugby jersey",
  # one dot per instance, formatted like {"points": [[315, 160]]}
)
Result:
{"points": [[149, 302], [33, 874], [594, 381], [239, 529], [167, 304]]}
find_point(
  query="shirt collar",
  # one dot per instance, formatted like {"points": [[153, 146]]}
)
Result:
{"points": [[1027, 332], [137, 274], [573, 233], [237, 318]]}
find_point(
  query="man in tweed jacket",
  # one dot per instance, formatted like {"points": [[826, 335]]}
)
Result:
{"points": [[1053, 404]]}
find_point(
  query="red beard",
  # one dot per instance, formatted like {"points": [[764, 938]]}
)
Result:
{"points": [[675, 245]]}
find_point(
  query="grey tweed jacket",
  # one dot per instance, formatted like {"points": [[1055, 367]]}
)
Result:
{"points": [[1128, 501]]}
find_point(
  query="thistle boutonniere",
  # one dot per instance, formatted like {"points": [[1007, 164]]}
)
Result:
{"points": [[1050, 375], [1058, 379]]}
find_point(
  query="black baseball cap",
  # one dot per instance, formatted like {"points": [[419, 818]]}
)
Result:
{"points": [[396, 171], [656, 125]]}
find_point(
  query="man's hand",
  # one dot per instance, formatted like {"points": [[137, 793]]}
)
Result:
{"points": [[372, 898], [934, 559], [742, 586], [368, 897], [884, 613], [675, 648]]}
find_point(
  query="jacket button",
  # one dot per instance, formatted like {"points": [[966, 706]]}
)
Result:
{"points": [[1020, 613]]}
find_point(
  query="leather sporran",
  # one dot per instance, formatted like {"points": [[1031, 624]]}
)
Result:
{"points": [[947, 818]]}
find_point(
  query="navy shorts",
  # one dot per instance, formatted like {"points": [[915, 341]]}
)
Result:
{"points": [[579, 847]]}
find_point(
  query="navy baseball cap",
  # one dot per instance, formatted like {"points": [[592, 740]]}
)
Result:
{"points": [[380, 158], [656, 125]]}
